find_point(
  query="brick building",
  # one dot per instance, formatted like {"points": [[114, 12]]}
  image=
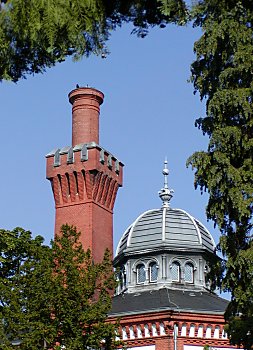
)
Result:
{"points": [[163, 298]]}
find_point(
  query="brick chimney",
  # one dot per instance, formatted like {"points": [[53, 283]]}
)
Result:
{"points": [[85, 115], [85, 177]]}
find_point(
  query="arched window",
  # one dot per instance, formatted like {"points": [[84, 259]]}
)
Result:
{"points": [[175, 271], [153, 272], [188, 273], [141, 273]]}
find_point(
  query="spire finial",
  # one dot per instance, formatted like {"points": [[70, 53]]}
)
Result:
{"points": [[165, 194]]}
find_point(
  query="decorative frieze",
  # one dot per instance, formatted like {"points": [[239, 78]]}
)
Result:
{"points": [[185, 330]]}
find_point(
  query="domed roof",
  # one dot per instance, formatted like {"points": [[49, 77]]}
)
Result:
{"points": [[165, 228]]}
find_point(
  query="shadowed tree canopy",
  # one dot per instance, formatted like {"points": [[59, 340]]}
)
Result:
{"points": [[37, 34], [53, 296]]}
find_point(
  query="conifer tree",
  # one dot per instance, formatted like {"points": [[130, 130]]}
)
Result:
{"points": [[223, 76], [53, 297]]}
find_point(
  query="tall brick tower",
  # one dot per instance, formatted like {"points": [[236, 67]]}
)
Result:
{"points": [[85, 177]]}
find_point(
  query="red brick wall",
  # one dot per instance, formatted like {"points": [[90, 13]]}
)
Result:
{"points": [[94, 223], [163, 344]]}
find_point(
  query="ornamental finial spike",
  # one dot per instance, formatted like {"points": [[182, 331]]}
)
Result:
{"points": [[165, 194]]}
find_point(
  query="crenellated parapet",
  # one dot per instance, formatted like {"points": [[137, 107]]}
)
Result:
{"points": [[82, 173]]}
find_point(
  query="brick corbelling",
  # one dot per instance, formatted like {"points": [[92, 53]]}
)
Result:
{"points": [[56, 190], [81, 186], [96, 185], [101, 187], [76, 187], [105, 190], [73, 187], [87, 183], [112, 198], [64, 188], [109, 197]]}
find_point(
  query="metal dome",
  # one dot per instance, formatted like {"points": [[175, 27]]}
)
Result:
{"points": [[165, 228]]}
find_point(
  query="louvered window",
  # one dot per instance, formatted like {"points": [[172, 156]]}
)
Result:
{"points": [[153, 272], [141, 273], [188, 273], [175, 271]]}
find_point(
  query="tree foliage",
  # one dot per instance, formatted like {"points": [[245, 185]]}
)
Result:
{"points": [[53, 296], [36, 34], [222, 74], [22, 296]]}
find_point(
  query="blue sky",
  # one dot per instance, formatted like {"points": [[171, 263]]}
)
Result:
{"points": [[148, 113]]}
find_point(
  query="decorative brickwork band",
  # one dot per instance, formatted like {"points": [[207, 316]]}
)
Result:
{"points": [[159, 329], [77, 187]]}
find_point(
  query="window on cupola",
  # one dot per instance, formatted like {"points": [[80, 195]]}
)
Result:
{"points": [[175, 271], [188, 273], [153, 272], [141, 273]]}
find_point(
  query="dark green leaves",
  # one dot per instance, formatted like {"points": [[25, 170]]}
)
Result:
{"points": [[23, 302], [222, 74], [36, 34], [53, 296]]}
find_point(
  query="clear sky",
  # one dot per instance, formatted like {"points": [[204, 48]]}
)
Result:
{"points": [[148, 113]]}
